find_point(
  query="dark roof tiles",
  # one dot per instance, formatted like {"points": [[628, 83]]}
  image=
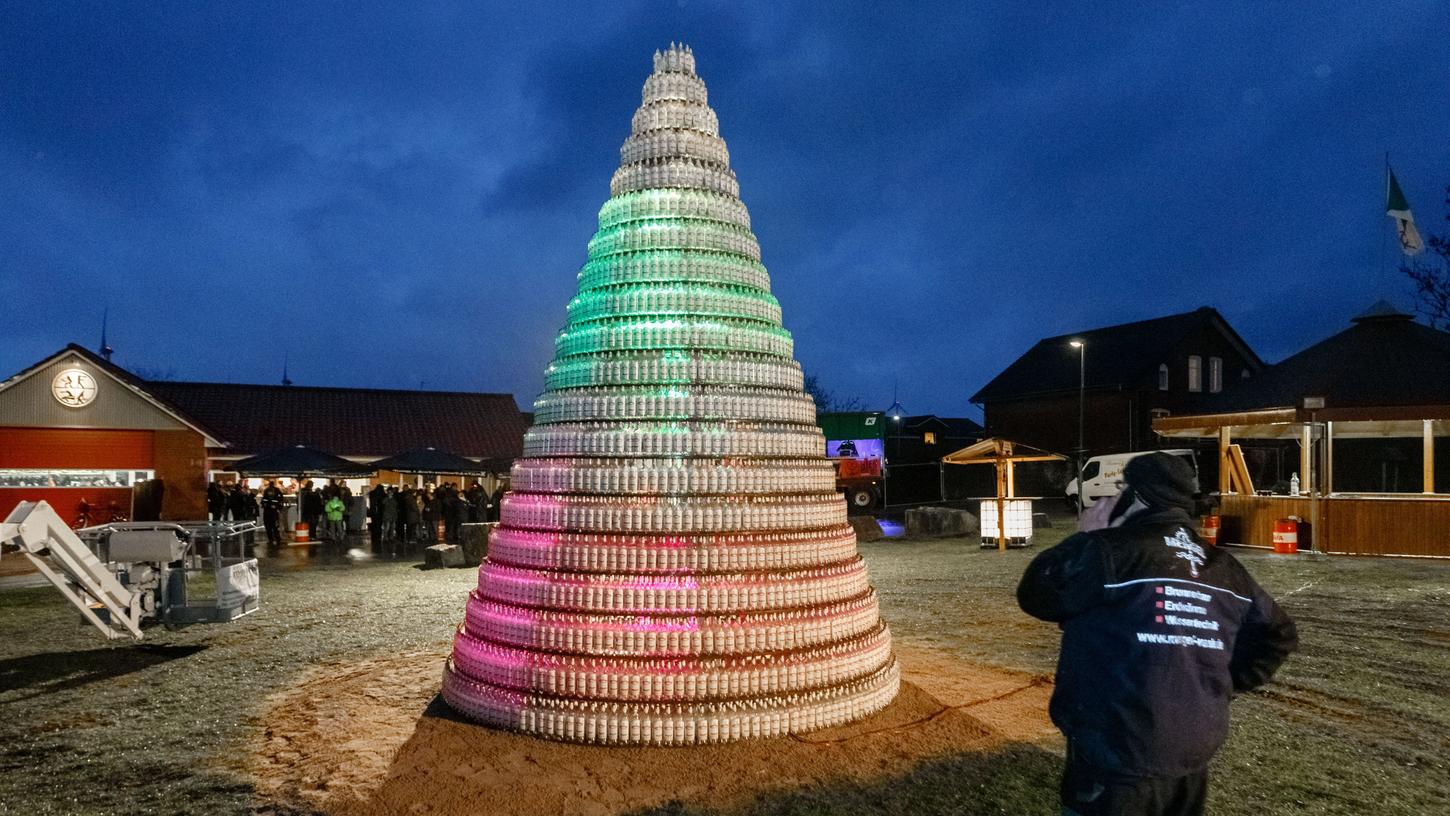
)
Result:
{"points": [[351, 421], [1124, 355], [1384, 359]]}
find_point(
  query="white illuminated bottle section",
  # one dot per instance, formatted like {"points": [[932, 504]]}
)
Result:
{"points": [[673, 564]]}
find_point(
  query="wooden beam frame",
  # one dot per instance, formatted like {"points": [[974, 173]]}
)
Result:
{"points": [[1224, 440], [1429, 448], [1306, 460]]}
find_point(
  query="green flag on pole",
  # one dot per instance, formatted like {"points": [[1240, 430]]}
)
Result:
{"points": [[1398, 208]]}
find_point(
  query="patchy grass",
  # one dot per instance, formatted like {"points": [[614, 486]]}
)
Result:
{"points": [[1358, 722]]}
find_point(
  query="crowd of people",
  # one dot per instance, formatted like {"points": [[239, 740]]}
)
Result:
{"points": [[400, 518], [232, 501], [236, 501]]}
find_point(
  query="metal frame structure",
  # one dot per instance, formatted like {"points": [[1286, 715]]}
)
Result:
{"points": [[123, 574]]}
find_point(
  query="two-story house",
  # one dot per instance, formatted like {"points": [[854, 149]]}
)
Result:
{"points": [[1129, 374]]}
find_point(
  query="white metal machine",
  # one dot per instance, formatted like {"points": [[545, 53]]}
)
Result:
{"points": [[122, 575]]}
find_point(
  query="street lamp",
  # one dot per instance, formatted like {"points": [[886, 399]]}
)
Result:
{"points": [[895, 412], [1081, 402]]}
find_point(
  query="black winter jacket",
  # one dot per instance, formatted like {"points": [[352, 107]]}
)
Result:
{"points": [[1159, 632]]}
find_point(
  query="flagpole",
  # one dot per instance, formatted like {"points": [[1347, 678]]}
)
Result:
{"points": [[1384, 233]]}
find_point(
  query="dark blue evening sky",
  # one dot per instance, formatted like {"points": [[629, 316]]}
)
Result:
{"points": [[394, 195]]}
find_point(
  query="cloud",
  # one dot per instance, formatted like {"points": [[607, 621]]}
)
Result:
{"points": [[397, 194]]}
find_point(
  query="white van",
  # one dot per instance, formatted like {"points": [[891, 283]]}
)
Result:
{"points": [[1102, 476]]}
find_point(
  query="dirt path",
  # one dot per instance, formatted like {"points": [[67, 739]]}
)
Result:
{"points": [[370, 738]]}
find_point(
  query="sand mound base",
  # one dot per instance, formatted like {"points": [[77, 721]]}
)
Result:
{"points": [[372, 737]]}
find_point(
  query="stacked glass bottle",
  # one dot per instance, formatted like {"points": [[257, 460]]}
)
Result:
{"points": [[673, 564]]}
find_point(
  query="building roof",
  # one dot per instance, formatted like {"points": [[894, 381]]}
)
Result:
{"points": [[1121, 355], [136, 385], [953, 426], [354, 422], [1384, 359]]}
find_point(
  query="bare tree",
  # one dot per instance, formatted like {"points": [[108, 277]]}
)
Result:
{"points": [[827, 402], [1431, 277]]}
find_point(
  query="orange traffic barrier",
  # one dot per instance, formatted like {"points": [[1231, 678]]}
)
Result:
{"points": [[1286, 536], [1209, 530]]}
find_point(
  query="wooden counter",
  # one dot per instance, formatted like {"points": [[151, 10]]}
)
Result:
{"points": [[1404, 524]]}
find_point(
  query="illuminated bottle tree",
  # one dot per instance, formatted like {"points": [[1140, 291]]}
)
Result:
{"points": [[673, 564]]}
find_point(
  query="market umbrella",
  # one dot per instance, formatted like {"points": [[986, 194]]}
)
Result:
{"points": [[432, 460], [300, 461]]}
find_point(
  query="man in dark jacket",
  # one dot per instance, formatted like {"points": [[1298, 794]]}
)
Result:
{"points": [[309, 505], [376, 497], [272, 513], [216, 501], [1159, 632], [237, 502]]}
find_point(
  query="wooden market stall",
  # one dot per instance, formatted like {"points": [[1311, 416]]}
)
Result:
{"points": [[1004, 455], [1360, 406]]}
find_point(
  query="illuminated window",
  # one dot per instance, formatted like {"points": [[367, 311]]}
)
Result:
{"points": [[1215, 374], [37, 477], [929, 437], [1195, 373], [1163, 377]]}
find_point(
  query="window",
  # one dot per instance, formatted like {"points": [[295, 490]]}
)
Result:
{"points": [[1195, 373], [1163, 377], [929, 437], [39, 477], [1215, 374], [1244, 374], [1091, 470]]}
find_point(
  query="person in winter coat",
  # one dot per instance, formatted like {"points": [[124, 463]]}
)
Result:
{"points": [[495, 502], [447, 501], [376, 498], [237, 503], [250, 508], [310, 506], [412, 516], [1159, 632], [336, 511], [389, 515], [272, 513], [430, 500], [476, 498], [216, 501], [458, 514]]}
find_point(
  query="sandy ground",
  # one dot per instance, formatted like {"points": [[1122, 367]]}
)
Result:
{"points": [[15, 563], [371, 737]]}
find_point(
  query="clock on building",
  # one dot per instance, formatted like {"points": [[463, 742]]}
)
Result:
{"points": [[74, 388]]}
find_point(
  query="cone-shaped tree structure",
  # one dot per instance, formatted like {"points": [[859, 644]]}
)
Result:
{"points": [[673, 564]]}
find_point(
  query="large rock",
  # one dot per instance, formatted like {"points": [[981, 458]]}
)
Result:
{"points": [[473, 536], [940, 521], [867, 528], [443, 555]]}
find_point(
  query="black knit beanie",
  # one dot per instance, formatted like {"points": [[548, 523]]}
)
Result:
{"points": [[1162, 481]]}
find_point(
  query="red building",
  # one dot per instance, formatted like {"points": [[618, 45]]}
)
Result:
{"points": [[75, 427]]}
